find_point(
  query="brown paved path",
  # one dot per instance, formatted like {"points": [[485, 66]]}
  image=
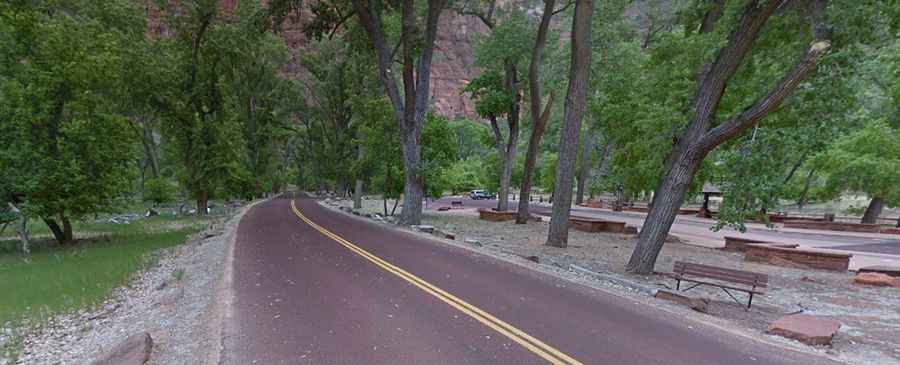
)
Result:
{"points": [[302, 297]]}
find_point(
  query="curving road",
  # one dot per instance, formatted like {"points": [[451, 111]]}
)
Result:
{"points": [[315, 286]]}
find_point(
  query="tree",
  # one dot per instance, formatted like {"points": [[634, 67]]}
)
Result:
{"points": [[539, 119], [410, 107], [497, 89], [65, 148], [703, 132], [579, 75], [867, 161]]}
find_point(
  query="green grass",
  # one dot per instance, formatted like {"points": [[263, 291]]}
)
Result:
{"points": [[56, 279]]}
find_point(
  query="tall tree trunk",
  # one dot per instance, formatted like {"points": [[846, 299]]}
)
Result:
{"points": [[873, 211], [701, 136], [584, 169], [358, 189], [579, 73], [412, 182], [410, 106], [202, 203]]}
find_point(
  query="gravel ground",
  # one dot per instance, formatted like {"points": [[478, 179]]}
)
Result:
{"points": [[870, 316], [177, 302]]}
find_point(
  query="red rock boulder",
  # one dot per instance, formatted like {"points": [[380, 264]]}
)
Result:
{"points": [[811, 330], [876, 279]]}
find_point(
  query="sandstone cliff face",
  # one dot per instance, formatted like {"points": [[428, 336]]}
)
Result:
{"points": [[451, 68]]}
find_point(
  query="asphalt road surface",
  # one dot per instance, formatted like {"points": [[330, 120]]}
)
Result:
{"points": [[315, 286], [694, 228]]}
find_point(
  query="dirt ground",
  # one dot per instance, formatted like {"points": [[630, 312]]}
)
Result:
{"points": [[870, 316]]}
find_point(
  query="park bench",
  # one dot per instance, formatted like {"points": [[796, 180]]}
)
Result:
{"points": [[743, 281], [456, 203]]}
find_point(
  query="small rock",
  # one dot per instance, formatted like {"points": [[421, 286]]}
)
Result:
{"points": [[630, 230], [443, 209], [876, 279], [135, 350], [424, 228], [473, 241], [534, 259], [811, 330]]}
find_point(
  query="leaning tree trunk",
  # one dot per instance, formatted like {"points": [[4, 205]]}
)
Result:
{"points": [[876, 205], [702, 135], [666, 201], [62, 235], [531, 160], [579, 74], [584, 168]]}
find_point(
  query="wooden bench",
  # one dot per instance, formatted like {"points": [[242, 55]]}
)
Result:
{"points": [[456, 203], [751, 282], [596, 225]]}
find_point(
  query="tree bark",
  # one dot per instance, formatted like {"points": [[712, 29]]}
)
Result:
{"points": [[62, 235], [22, 228], [873, 211], [700, 137], [358, 188], [203, 203], [534, 142], [802, 200], [584, 168], [579, 74]]}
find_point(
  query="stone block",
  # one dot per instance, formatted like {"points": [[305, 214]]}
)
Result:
{"points": [[887, 270], [876, 279], [811, 330], [496, 216]]}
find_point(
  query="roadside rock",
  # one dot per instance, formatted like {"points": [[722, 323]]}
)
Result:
{"points": [[135, 350], [888, 270], [693, 302], [809, 329], [876, 279]]}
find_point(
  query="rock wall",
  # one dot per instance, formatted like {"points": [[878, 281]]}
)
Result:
{"points": [[451, 67]]}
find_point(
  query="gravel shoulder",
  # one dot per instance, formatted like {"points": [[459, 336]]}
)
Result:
{"points": [[870, 316], [180, 302]]}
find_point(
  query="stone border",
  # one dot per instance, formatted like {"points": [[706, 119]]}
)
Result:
{"points": [[833, 226], [797, 258]]}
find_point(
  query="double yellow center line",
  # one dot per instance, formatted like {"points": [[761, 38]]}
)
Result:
{"points": [[534, 345]]}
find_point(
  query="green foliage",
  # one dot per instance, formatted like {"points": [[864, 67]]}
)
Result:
{"points": [[65, 145], [866, 161], [438, 153], [464, 175], [492, 99], [158, 191]]}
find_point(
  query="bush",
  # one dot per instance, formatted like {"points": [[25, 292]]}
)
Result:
{"points": [[158, 191]]}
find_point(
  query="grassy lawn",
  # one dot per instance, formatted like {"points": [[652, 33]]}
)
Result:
{"points": [[56, 279]]}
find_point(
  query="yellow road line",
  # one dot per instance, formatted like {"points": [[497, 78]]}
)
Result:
{"points": [[536, 346]]}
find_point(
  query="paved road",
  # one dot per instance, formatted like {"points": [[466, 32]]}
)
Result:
{"points": [[694, 228], [314, 286]]}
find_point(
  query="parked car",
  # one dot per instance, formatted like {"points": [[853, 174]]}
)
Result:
{"points": [[481, 194]]}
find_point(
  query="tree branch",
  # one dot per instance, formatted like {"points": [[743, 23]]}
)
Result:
{"points": [[771, 101]]}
